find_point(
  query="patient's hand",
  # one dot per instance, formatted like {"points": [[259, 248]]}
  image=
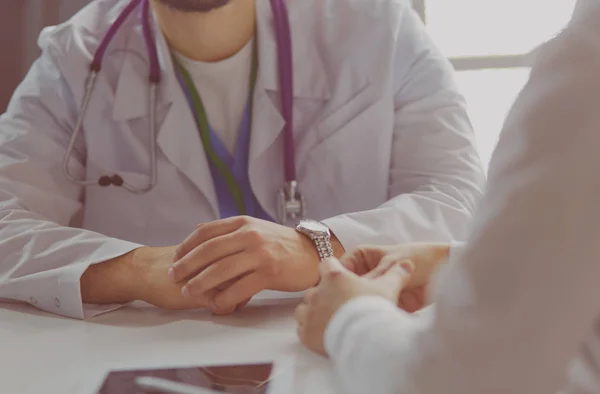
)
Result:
{"points": [[372, 261]]}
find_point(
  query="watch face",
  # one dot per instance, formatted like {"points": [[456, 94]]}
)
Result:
{"points": [[314, 226]]}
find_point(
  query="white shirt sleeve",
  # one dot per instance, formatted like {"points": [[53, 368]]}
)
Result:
{"points": [[370, 364], [41, 256], [514, 308]]}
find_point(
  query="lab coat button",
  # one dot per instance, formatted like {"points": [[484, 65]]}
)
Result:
{"points": [[33, 300], [57, 302]]}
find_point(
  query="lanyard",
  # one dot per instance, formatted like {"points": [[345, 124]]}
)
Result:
{"points": [[197, 107]]}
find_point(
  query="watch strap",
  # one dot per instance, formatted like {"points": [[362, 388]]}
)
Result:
{"points": [[324, 247]]}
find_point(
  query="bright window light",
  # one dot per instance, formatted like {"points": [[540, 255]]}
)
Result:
{"points": [[490, 95], [488, 29], [494, 27]]}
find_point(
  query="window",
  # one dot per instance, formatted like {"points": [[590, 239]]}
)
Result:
{"points": [[490, 43]]}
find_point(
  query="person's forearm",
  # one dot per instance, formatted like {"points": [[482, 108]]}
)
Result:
{"points": [[366, 340], [111, 282], [122, 279]]}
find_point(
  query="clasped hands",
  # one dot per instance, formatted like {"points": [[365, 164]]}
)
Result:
{"points": [[399, 274], [223, 264]]}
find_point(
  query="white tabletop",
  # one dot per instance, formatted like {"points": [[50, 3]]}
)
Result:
{"points": [[43, 353]]}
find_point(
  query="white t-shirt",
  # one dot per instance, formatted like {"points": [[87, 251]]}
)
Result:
{"points": [[224, 88]]}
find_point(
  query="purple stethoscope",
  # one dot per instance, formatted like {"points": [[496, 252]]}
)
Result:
{"points": [[291, 205]]}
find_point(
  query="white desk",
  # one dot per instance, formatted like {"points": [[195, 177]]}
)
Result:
{"points": [[42, 353]]}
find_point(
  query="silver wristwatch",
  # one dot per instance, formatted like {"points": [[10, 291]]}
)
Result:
{"points": [[319, 233]]}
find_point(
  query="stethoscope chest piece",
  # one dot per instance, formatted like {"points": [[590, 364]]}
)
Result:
{"points": [[291, 204]]}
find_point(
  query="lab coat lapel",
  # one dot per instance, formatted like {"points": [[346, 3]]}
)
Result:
{"points": [[180, 141], [178, 137], [266, 161]]}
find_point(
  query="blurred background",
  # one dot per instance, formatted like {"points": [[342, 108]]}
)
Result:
{"points": [[20, 25], [489, 42]]}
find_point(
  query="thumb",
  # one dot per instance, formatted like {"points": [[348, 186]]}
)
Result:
{"points": [[331, 268]]}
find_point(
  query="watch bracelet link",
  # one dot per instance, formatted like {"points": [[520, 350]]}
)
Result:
{"points": [[324, 247]]}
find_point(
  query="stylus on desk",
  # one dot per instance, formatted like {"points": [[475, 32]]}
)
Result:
{"points": [[153, 385]]}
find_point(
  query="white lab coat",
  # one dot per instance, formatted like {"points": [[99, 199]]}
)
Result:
{"points": [[518, 310], [385, 152]]}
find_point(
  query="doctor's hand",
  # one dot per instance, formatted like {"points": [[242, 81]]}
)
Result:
{"points": [[241, 256], [153, 285], [372, 261], [338, 286]]}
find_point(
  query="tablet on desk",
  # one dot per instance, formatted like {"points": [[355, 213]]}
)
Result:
{"points": [[264, 378]]}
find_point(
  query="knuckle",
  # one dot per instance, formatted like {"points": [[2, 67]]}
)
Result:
{"points": [[197, 233], [254, 236], [207, 248], [243, 220]]}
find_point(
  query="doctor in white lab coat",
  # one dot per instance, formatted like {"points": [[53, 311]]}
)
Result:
{"points": [[385, 153], [517, 310]]}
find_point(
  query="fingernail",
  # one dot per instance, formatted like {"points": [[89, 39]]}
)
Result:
{"points": [[186, 292], [172, 274]]}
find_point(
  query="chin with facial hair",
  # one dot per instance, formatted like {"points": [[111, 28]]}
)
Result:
{"points": [[194, 5]]}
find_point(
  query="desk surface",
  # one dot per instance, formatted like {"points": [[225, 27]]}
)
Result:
{"points": [[42, 353]]}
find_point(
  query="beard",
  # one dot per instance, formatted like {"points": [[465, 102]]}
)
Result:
{"points": [[194, 5]]}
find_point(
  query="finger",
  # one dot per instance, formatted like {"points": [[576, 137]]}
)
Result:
{"points": [[412, 300], [220, 272], [241, 290], [207, 231], [205, 254], [225, 285], [310, 296], [397, 276], [201, 301], [243, 304], [229, 311], [331, 268], [302, 335], [384, 265], [223, 312], [363, 260], [301, 314]]}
